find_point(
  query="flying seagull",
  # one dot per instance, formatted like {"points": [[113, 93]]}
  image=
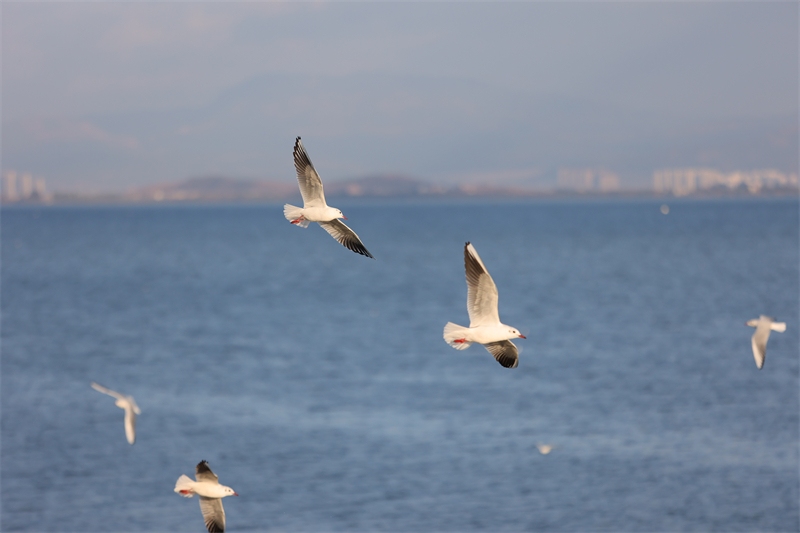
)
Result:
{"points": [[763, 325], [314, 207], [131, 410], [484, 321], [209, 490]]}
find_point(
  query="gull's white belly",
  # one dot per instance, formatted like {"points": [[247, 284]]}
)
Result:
{"points": [[320, 214], [487, 334], [209, 490]]}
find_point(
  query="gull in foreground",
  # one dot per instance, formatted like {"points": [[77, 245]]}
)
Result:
{"points": [[763, 325], [314, 207], [484, 321], [211, 493], [131, 410]]}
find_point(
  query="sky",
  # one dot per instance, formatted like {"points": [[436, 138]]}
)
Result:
{"points": [[111, 96]]}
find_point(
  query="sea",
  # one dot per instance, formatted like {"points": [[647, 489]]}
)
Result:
{"points": [[316, 382]]}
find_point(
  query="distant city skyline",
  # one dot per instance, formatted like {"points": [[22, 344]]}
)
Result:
{"points": [[23, 187], [27, 189], [110, 97]]}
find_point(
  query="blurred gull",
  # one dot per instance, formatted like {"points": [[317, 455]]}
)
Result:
{"points": [[484, 321], [314, 207], [544, 449], [209, 490], [763, 325], [131, 410]]}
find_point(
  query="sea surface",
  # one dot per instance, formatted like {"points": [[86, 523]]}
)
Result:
{"points": [[317, 384]]}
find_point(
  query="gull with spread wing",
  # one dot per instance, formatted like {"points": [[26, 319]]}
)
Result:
{"points": [[484, 320], [129, 405], [314, 207], [763, 325], [209, 490]]}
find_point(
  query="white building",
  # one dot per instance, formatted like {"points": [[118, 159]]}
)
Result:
{"points": [[24, 188], [10, 186], [684, 181], [587, 180]]}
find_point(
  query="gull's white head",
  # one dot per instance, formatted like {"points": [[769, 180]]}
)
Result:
{"points": [[515, 334], [331, 213], [229, 491]]}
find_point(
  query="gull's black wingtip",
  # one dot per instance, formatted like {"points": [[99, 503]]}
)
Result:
{"points": [[360, 249]]}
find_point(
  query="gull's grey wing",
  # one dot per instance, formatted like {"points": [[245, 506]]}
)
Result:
{"points": [[213, 514], [505, 352], [759, 341], [481, 291], [345, 236], [130, 424], [110, 392], [203, 473], [307, 177]]}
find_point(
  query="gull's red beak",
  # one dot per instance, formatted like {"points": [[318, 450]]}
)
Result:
{"points": [[235, 494], [344, 217], [521, 336]]}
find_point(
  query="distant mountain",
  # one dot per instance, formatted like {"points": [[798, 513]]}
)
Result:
{"points": [[224, 189], [212, 189], [378, 186], [220, 188]]}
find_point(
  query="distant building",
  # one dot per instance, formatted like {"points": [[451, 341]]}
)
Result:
{"points": [[608, 182], [685, 181], [587, 180], [10, 186], [24, 188]]}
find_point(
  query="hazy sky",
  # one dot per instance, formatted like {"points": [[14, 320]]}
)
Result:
{"points": [[101, 96]]}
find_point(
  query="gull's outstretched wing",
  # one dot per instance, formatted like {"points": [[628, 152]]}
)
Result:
{"points": [[213, 514], [505, 352], [759, 341], [345, 236], [307, 177], [110, 392], [481, 291], [203, 473], [130, 424]]}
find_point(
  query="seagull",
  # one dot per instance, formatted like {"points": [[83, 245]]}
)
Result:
{"points": [[763, 325], [211, 493], [314, 207], [131, 410], [484, 321]]}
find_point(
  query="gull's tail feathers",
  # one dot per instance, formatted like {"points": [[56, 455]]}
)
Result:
{"points": [[455, 336], [780, 327], [184, 486], [294, 215]]}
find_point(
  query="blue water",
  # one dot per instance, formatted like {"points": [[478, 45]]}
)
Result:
{"points": [[316, 382]]}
